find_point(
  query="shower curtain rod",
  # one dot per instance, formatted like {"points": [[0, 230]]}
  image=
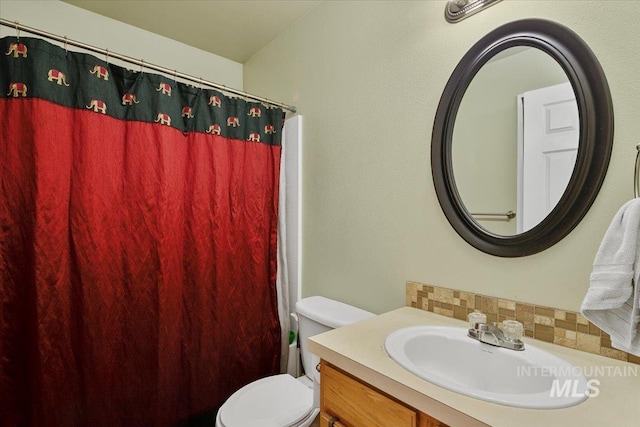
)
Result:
{"points": [[19, 27]]}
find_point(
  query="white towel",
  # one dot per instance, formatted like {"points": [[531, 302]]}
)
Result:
{"points": [[613, 302]]}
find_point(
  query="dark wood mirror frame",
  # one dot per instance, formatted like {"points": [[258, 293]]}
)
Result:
{"points": [[595, 143]]}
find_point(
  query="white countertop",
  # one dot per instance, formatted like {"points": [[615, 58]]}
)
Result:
{"points": [[359, 349]]}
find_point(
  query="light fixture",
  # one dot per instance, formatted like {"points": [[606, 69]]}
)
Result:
{"points": [[457, 10]]}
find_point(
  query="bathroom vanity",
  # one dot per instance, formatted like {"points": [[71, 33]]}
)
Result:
{"points": [[344, 397], [362, 386]]}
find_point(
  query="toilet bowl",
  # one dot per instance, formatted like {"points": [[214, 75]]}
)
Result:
{"points": [[282, 400], [275, 401]]}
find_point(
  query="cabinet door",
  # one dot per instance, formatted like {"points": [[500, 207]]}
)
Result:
{"points": [[355, 404]]}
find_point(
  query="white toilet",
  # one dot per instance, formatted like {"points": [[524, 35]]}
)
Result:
{"points": [[281, 400]]}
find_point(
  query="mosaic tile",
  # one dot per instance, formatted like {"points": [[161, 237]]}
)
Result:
{"points": [[554, 325], [411, 287], [459, 312], [613, 353], [448, 313], [588, 343], [634, 359], [544, 312], [470, 299], [594, 330], [543, 333], [491, 317], [507, 313], [571, 326], [411, 299], [443, 295], [605, 341], [543, 320], [581, 320], [564, 342], [524, 315], [487, 304]]}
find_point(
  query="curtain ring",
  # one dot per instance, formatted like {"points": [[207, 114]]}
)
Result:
{"points": [[175, 76], [141, 66], [17, 30], [106, 55], [66, 51], [201, 84]]}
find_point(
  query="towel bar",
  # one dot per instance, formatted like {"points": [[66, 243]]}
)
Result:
{"points": [[509, 214], [636, 173]]}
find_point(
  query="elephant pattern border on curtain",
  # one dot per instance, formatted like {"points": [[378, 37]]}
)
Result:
{"points": [[52, 73]]}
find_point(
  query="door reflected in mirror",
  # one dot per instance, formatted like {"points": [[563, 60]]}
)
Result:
{"points": [[515, 140]]}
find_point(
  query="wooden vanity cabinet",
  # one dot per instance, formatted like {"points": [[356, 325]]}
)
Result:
{"points": [[346, 401]]}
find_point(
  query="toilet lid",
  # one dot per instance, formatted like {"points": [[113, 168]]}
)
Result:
{"points": [[275, 401]]}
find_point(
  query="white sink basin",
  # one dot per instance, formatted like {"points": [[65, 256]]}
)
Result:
{"points": [[445, 356]]}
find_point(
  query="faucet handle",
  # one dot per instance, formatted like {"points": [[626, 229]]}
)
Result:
{"points": [[512, 330], [475, 318]]}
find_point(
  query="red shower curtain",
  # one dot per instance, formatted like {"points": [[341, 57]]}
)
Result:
{"points": [[137, 248]]}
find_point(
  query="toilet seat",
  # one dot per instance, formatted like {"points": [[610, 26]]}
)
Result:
{"points": [[276, 401]]}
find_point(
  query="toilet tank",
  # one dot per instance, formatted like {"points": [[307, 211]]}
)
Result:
{"points": [[319, 314]]}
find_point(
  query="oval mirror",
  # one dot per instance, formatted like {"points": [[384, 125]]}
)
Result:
{"points": [[522, 138]]}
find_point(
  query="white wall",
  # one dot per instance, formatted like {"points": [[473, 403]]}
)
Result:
{"points": [[78, 24], [368, 76]]}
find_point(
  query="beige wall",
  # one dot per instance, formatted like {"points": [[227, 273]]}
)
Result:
{"points": [[78, 24], [368, 78]]}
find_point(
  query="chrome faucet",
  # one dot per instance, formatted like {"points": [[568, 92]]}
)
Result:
{"points": [[492, 335]]}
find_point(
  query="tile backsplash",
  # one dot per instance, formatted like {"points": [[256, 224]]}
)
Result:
{"points": [[562, 327]]}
